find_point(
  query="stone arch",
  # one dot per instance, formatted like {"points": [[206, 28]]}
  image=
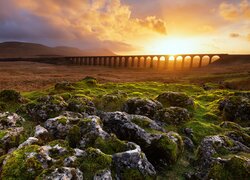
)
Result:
{"points": [[196, 60], [205, 60], [186, 61], [148, 61], [179, 60], [215, 58], [161, 62], [171, 62]]}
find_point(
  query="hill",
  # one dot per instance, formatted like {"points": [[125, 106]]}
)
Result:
{"points": [[22, 49]]}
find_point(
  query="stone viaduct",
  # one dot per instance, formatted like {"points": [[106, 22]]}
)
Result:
{"points": [[183, 61]]}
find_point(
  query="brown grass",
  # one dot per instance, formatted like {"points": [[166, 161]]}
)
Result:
{"points": [[28, 76]]}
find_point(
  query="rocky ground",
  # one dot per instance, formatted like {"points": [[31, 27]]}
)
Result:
{"points": [[150, 130]]}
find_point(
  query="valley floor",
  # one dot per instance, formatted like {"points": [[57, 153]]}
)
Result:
{"points": [[28, 76]]}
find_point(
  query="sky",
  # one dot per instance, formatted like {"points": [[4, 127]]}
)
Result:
{"points": [[130, 26]]}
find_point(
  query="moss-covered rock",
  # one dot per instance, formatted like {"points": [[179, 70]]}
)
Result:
{"points": [[168, 147], [132, 164], [46, 107], [9, 120], [11, 138], [147, 124], [59, 127], [237, 167], [61, 173], [176, 99], [110, 145], [93, 162], [81, 105], [140, 106], [21, 164], [10, 96], [64, 86], [213, 148], [173, 115], [236, 108], [165, 150], [91, 81], [74, 136], [111, 102]]}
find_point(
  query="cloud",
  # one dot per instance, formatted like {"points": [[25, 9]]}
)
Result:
{"points": [[234, 35], [235, 11], [154, 24], [77, 22]]}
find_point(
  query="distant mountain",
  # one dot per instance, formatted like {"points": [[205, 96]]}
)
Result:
{"points": [[21, 49]]}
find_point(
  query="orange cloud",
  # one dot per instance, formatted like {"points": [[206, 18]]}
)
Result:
{"points": [[104, 19], [232, 11], [154, 24]]}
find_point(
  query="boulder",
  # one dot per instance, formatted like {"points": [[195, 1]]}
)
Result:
{"points": [[212, 148], [58, 127], [145, 107], [93, 135], [236, 167], [236, 108], [168, 146], [173, 115], [132, 160], [9, 120], [176, 99]]}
